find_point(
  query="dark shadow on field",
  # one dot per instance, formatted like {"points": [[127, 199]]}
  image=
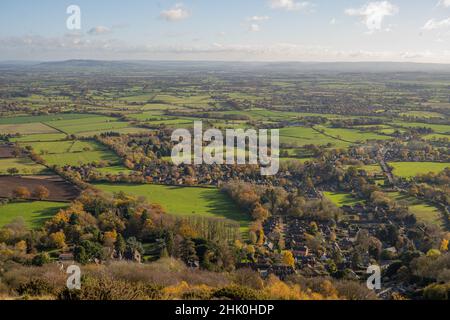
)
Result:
{"points": [[44, 215], [221, 204]]}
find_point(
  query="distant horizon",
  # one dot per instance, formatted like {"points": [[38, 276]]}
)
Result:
{"points": [[231, 61]]}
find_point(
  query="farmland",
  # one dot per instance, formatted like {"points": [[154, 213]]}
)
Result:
{"points": [[96, 137]]}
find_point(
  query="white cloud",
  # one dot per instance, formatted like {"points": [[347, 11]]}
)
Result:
{"points": [[433, 24], [99, 30], [254, 27], [444, 3], [373, 14], [258, 18], [177, 13], [290, 5]]}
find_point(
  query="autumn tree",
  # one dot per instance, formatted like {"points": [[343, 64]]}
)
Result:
{"points": [[21, 193], [41, 193]]}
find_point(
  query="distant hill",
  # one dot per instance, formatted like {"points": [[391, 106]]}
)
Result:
{"points": [[228, 66]]}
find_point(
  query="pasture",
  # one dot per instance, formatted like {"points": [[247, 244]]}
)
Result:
{"points": [[412, 169], [34, 213], [423, 211], [185, 201]]}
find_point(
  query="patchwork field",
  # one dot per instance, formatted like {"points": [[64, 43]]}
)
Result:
{"points": [[411, 169], [185, 201], [33, 213]]}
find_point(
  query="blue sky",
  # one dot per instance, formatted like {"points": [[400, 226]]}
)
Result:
{"points": [[259, 30]]}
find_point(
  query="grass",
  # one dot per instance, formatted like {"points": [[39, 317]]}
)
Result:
{"points": [[341, 199], [411, 169], [33, 213], [40, 137], [45, 118], [301, 136], [114, 170], [26, 128], [24, 165], [352, 135], [185, 201], [423, 211], [73, 153]]}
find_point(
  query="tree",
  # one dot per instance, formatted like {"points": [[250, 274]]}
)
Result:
{"points": [[12, 171], [120, 244], [188, 253], [288, 258], [259, 212], [40, 259], [58, 239], [41, 193], [80, 256], [21, 193]]}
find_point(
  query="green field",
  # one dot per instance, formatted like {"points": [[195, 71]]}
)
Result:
{"points": [[301, 136], [114, 170], [24, 165], [423, 211], [185, 201], [73, 152], [411, 169], [341, 199], [33, 213]]}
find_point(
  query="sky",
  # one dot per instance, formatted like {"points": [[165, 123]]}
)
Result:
{"points": [[244, 30]]}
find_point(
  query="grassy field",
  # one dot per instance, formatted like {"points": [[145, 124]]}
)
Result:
{"points": [[352, 135], [26, 128], [40, 137], [411, 169], [423, 211], [185, 201], [341, 199], [73, 152], [301, 136], [24, 165], [33, 213]]}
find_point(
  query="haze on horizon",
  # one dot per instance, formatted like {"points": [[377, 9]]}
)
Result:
{"points": [[251, 30]]}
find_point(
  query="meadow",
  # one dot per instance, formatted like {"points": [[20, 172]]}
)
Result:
{"points": [[185, 201], [411, 169], [341, 199], [24, 166], [423, 211], [73, 153], [33, 213]]}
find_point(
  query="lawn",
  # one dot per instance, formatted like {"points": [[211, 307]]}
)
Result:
{"points": [[185, 201], [24, 165], [33, 213], [411, 169]]}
